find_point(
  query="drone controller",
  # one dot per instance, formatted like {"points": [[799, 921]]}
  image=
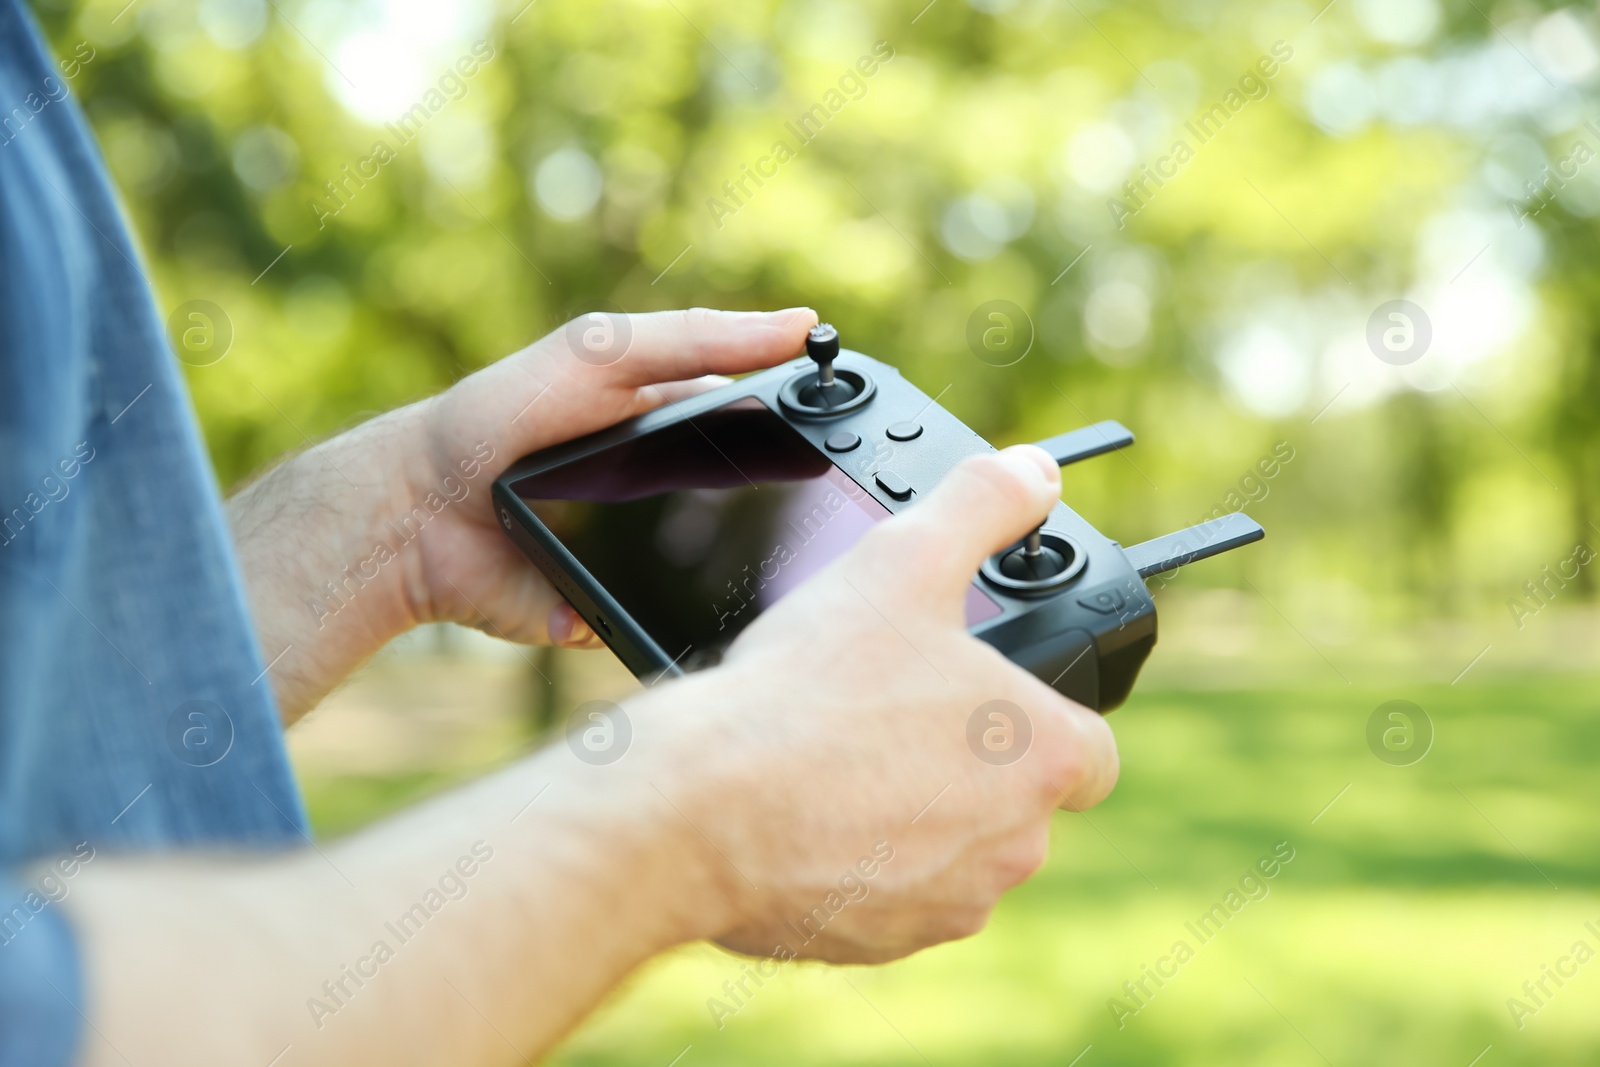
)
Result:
{"points": [[669, 533]]}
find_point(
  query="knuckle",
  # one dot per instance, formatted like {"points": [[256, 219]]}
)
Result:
{"points": [[1089, 765], [1065, 763], [1002, 482], [966, 922], [700, 330], [697, 322], [951, 922], [913, 539], [904, 545], [1023, 858]]}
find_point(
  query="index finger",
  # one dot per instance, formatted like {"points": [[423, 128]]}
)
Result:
{"points": [[670, 346]]}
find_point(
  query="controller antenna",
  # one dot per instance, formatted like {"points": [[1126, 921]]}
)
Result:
{"points": [[822, 345]]}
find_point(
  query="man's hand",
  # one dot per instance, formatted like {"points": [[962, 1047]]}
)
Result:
{"points": [[389, 525], [839, 728], [835, 733], [559, 389]]}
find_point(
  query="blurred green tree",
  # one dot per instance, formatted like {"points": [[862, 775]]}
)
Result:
{"points": [[377, 220]]}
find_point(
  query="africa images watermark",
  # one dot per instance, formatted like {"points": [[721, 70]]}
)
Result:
{"points": [[1536, 992], [853, 889], [340, 990], [1549, 584], [52, 92], [336, 596], [1253, 487], [450, 86], [1253, 886], [1542, 192], [52, 888], [55, 486], [852, 85], [1252, 85], [803, 530]]}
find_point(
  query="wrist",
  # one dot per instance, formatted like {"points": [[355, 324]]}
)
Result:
{"points": [[313, 537], [697, 791]]}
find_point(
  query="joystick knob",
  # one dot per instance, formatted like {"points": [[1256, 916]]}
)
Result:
{"points": [[825, 393], [828, 391], [1033, 560], [822, 345], [1039, 563]]}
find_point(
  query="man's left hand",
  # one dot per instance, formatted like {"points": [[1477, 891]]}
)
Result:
{"points": [[389, 525]]}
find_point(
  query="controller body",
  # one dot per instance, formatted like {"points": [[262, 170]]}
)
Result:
{"points": [[1085, 631]]}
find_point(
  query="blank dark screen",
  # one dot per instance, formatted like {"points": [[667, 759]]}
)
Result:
{"points": [[698, 527]]}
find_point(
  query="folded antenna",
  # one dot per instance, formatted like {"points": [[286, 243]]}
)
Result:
{"points": [[1087, 442], [1211, 538]]}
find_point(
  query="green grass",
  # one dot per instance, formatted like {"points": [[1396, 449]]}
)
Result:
{"points": [[1414, 907]]}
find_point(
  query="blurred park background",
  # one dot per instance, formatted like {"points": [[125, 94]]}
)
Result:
{"points": [[374, 222]]}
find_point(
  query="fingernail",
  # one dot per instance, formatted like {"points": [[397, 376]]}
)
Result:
{"points": [[1036, 459], [791, 314], [567, 627], [563, 620]]}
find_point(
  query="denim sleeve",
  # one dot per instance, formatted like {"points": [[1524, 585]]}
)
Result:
{"points": [[40, 983]]}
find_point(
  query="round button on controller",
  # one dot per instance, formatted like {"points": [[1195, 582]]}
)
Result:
{"points": [[904, 431], [843, 441]]}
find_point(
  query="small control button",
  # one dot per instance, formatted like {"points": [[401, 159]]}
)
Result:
{"points": [[1105, 603], [904, 431], [893, 484], [843, 441]]}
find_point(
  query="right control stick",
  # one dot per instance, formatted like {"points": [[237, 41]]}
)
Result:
{"points": [[1033, 560], [1038, 563]]}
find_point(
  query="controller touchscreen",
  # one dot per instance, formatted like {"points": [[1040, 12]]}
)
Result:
{"points": [[699, 526]]}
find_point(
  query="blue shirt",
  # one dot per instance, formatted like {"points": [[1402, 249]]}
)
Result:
{"points": [[135, 713]]}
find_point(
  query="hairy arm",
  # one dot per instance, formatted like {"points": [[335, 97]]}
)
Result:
{"points": [[743, 810], [476, 929]]}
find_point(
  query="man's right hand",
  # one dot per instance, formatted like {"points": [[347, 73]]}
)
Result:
{"points": [[840, 721], [836, 731]]}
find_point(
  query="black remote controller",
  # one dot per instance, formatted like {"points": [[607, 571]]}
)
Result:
{"points": [[670, 532]]}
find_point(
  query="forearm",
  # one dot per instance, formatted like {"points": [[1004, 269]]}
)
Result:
{"points": [[320, 539], [229, 961]]}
